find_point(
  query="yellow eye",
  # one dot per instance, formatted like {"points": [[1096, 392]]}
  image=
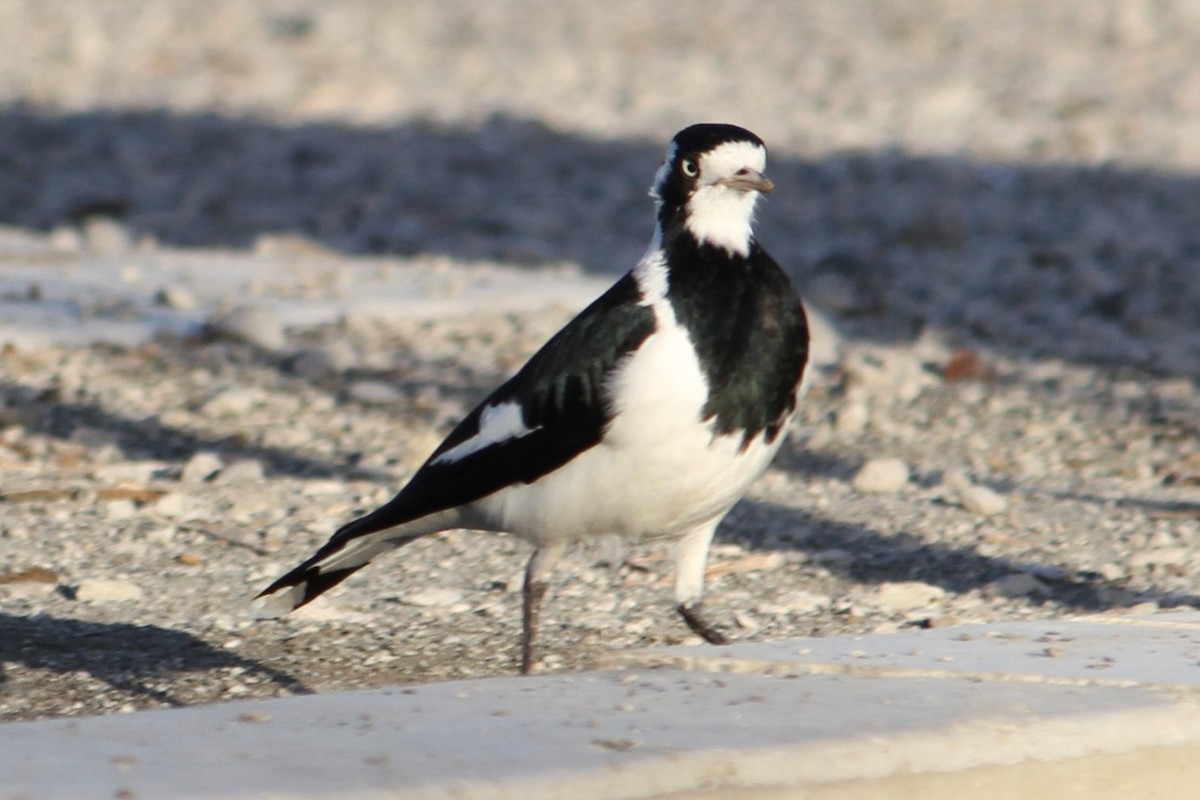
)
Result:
{"points": [[689, 168]]}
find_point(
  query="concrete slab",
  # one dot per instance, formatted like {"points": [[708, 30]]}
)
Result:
{"points": [[1161, 649], [896, 729]]}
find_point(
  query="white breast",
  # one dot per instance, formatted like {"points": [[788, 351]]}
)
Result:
{"points": [[659, 471]]}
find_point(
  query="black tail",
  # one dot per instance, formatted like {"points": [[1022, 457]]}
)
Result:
{"points": [[348, 551]]}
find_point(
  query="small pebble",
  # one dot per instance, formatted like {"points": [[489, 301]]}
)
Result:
{"points": [[105, 236], [974, 498], [881, 476], [247, 470], [172, 505], [798, 601], [432, 597], [982, 500], [99, 590], [900, 596], [120, 509], [852, 418], [200, 467], [746, 622], [254, 325], [232, 402], [374, 393]]}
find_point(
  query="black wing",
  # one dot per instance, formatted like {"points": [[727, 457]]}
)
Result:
{"points": [[560, 391]]}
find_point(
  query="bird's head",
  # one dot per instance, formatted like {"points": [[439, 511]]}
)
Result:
{"points": [[709, 184]]}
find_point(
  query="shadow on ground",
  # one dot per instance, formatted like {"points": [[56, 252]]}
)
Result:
{"points": [[874, 557], [129, 658], [1042, 260]]}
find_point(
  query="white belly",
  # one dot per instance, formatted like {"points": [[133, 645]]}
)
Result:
{"points": [[658, 472]]}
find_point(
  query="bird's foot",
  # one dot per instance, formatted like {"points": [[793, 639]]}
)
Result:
{"points": [[700, 626]]}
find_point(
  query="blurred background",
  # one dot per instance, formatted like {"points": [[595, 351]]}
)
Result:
{"points": [[1009, 81], [1022, 172]]}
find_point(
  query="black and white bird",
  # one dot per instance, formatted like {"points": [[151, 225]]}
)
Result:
{"points": [[647, 416]]}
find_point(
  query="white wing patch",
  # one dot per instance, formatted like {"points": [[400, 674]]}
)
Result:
{"points": [[497, 424]]}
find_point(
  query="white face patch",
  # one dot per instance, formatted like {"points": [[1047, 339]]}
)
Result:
{"points": [[496, 424], [725, 160], [720, 215]]}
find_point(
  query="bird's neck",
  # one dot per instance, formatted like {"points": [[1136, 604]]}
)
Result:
{"points": [[718, 218]]}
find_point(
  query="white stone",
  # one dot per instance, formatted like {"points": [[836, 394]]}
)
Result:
{"points": [[247, 470], [432, 597], [881, 476], [200, 467], [173, 505], [254, 325], [890, 373], [746, 622], [233, 401], [27, 590], [328, 611], [162, 535], [245, 501], [900, 596], [101, 590], [120, 509], [375, 393], [796, 602], [956, 480], [974, 498], [852, 418], [129, 471], [982, 500], [105, 236], [322, 488]]}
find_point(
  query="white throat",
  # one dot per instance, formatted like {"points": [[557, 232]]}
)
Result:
{"points": [[722, 217], [718, 214]]}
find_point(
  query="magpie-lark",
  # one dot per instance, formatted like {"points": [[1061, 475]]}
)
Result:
{"points": [[647, 416]]}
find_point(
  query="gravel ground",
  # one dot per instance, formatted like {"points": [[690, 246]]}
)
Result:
{"points": [[996, 206]]}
